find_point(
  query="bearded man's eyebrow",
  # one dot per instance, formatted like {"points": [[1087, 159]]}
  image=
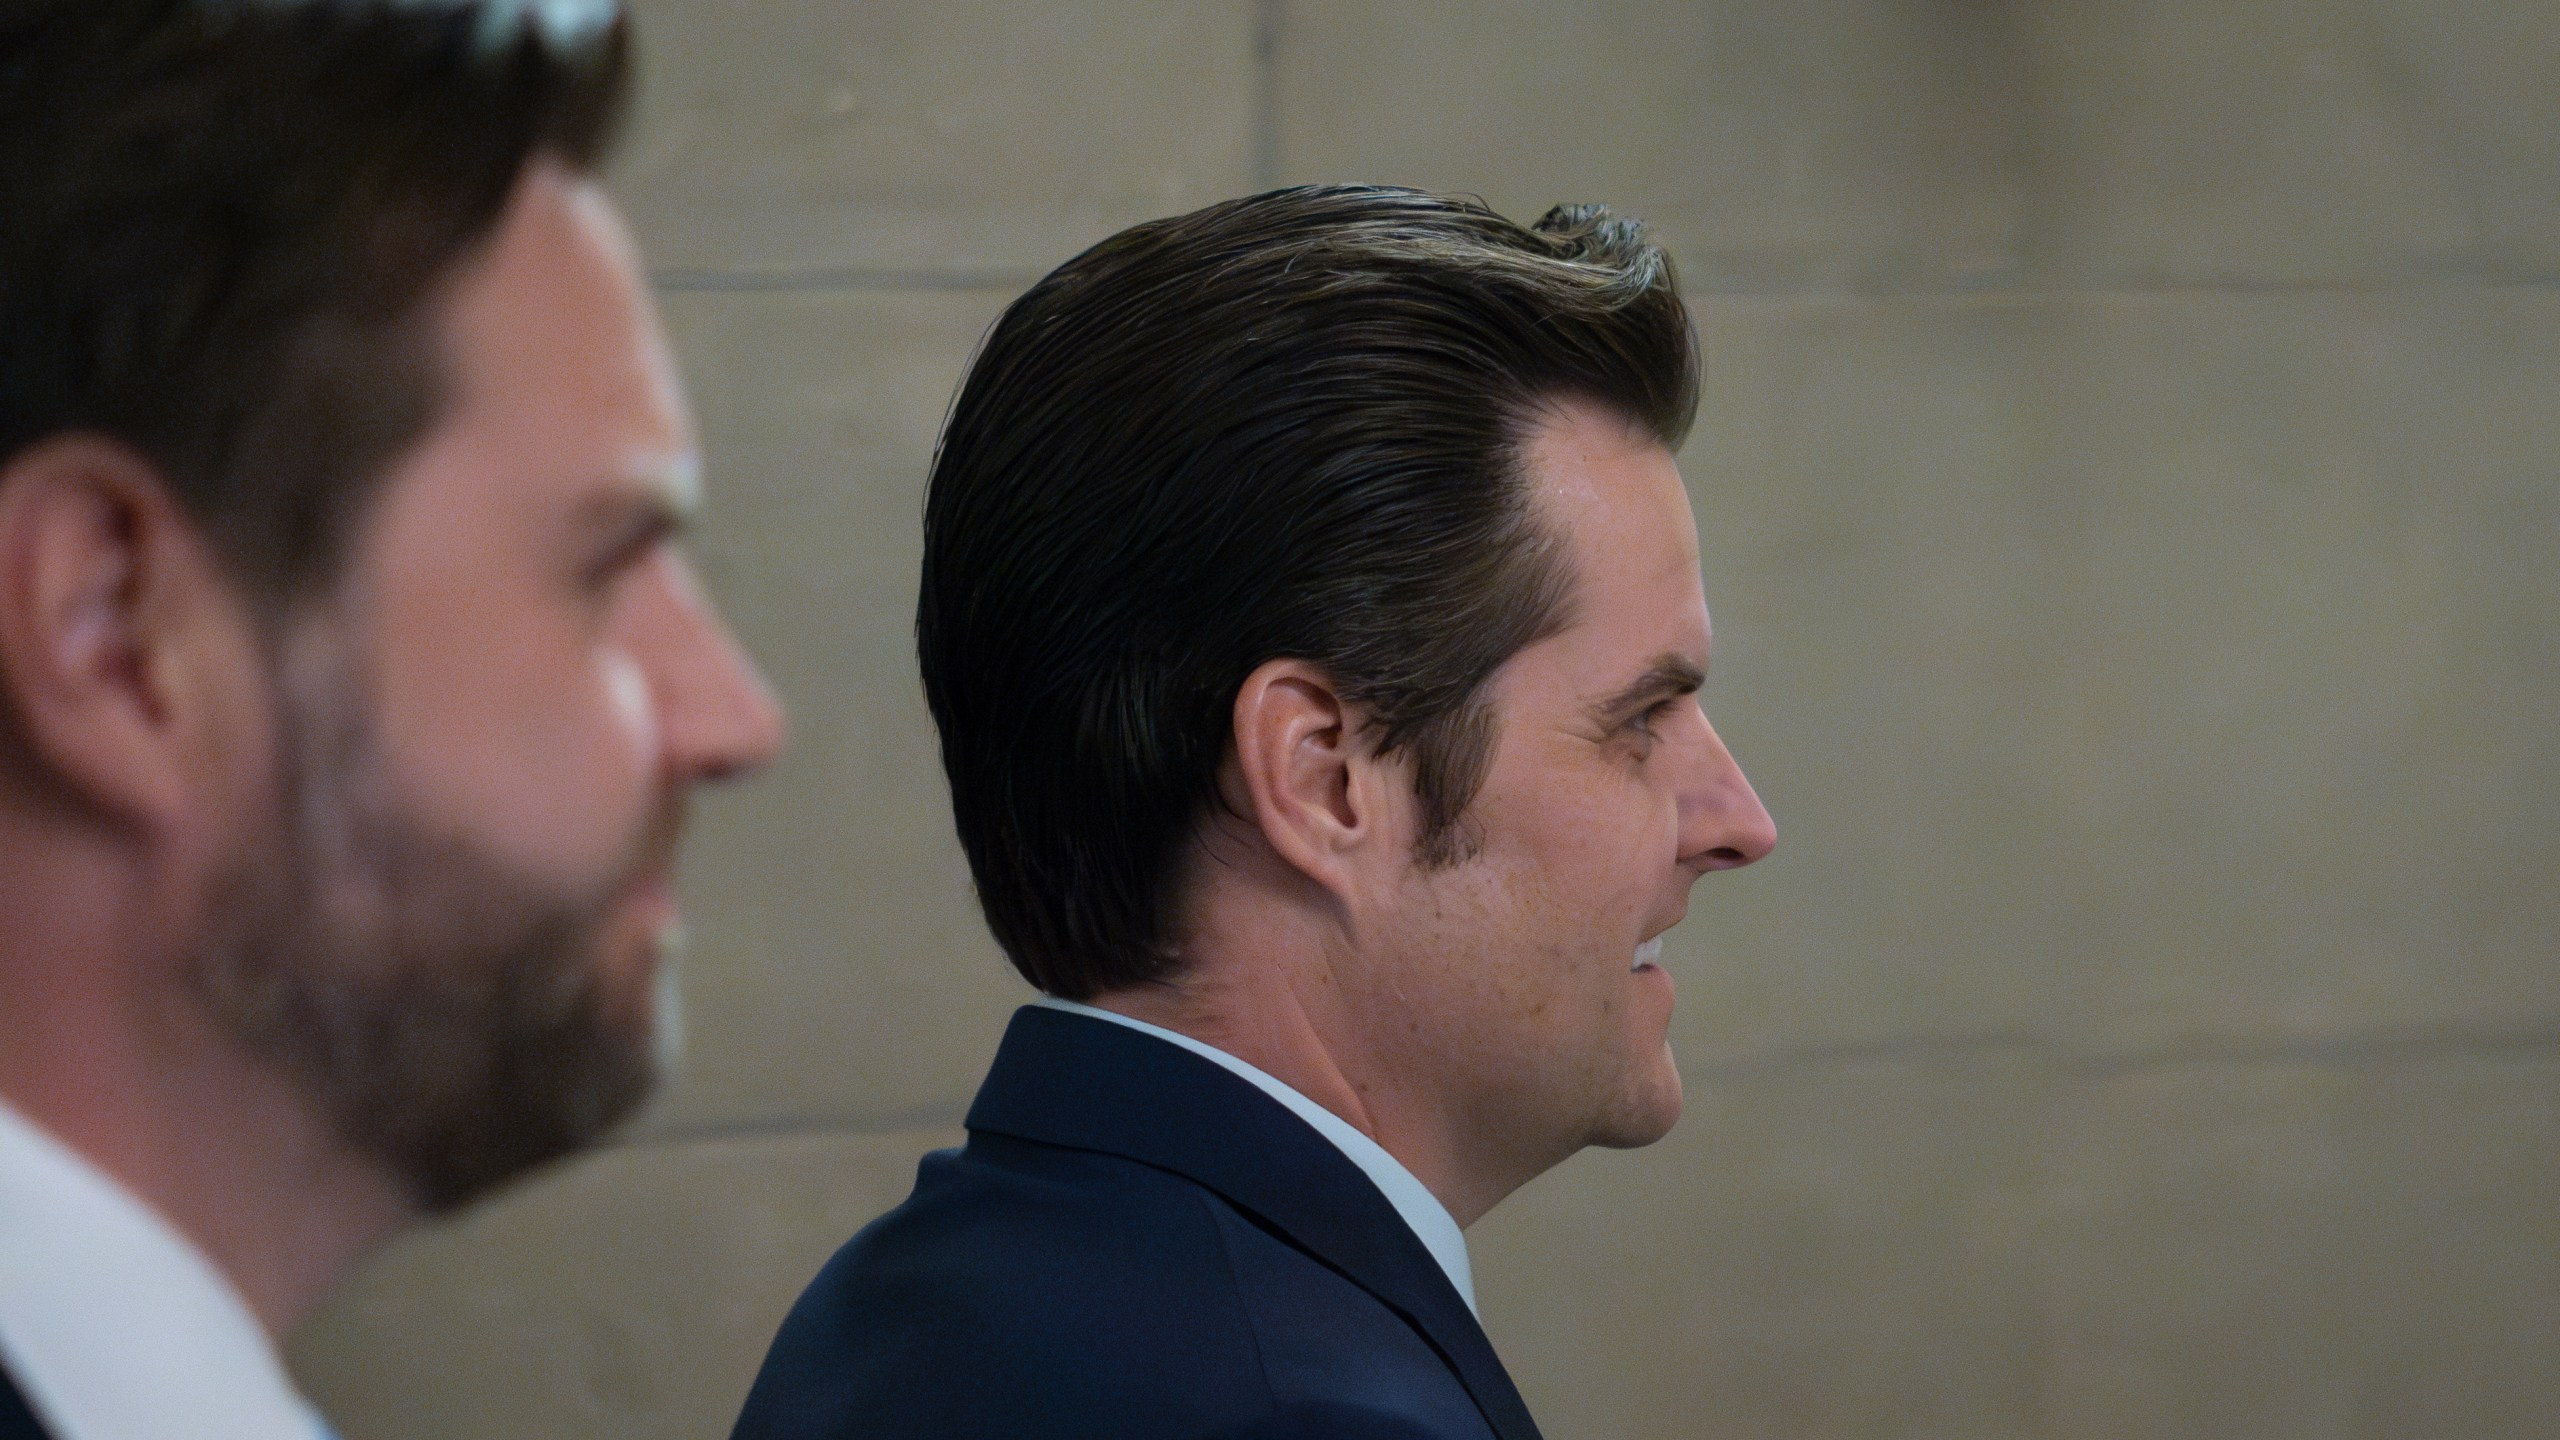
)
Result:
{"points": [[1668, 676], [629, 519]]}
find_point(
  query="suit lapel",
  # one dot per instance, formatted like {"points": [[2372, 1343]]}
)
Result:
{"points": [[1072, 1080]]}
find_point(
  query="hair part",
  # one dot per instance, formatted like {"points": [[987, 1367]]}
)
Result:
{"points": [[223, 224], [1290, 425]]}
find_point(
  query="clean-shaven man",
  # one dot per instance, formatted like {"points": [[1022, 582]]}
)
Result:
{"points": [[351, 685], [1312, 617]]}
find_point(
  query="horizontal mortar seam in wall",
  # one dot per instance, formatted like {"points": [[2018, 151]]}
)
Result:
{"points": [[2369, 1049], [1903, 1049], [849, 278], [2034, 293], [2390, 1046], [861, 279], [921, 1117]]}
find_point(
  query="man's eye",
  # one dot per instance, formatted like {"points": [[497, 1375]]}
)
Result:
{"points": [[599, 577], [606, 570], [1654, 715]]}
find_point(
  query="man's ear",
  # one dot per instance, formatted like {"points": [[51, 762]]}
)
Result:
{"points": [[1314, 783], [104, 589]]}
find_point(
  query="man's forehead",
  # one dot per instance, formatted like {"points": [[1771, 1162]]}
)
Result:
{"points": [[566, 392], [1629, 630]]}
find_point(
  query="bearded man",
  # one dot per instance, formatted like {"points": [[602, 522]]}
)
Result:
{"points": [[351, 681]]}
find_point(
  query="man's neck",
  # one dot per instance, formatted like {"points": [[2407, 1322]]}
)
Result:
{"points": [[223, 1148], [281, 1213], [1267, 1005], [1260, 1025]]}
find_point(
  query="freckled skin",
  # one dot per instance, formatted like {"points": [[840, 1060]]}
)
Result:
{"points": [[1508, 976]]}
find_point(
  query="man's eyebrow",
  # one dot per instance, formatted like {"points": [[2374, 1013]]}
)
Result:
{"points": [[636, 514], [1667, 676], [660, 499]]}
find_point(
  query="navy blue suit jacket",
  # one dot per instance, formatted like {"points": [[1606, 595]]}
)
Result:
{"points": [[1135, 1243], [17, 1422]]}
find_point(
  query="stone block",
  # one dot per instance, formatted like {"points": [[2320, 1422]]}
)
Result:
{"points": [[2310, 1252], [2210, 1254], [1865, 501], [2310, 651], [1895, 144], [2184, 141], [964, 136], [1828, 144], [2133, 669], [2482, 69], [629, 1298], [2459, 1157], [839, 969], [1843, 1251]]}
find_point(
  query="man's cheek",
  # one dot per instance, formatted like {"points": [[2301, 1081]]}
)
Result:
{"points": [[596, 781], [555, 790]]}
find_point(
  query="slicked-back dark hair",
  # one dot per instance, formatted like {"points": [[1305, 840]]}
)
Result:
{"points": [[220, 220], [1288, 426]]}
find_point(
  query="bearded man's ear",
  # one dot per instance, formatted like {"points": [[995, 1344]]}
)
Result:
{"points": [[117, 624]]}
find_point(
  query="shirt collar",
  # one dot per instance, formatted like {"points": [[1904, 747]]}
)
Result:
{"points": [[114, 1326], [1422, 1211]]}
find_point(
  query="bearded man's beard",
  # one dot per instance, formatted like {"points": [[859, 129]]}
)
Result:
{"points": [[452, 1019]]}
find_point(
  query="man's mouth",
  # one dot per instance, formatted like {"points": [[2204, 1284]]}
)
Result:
{"points": [[1648, 954]]}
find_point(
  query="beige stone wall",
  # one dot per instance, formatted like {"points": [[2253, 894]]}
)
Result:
{"points": [[2126, 479]]}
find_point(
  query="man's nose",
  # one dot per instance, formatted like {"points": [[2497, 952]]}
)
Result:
{"points": [[1723, 825], [718, 718]]}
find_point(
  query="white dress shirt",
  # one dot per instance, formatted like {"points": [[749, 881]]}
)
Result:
{"points": [[112, 1324], [1422, 1210]]}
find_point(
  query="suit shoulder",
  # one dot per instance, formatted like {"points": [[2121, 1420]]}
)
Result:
{"points": [[1006, 1219], [1020, 1283]]}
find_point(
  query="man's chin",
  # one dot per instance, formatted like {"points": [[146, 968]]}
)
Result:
{"points": [[474, 1056], [1649, 1109]]}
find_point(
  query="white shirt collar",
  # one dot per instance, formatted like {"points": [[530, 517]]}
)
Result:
{"points": [[1422, 1210], [112, 1324]]}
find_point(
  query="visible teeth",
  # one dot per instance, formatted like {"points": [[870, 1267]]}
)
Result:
{"points": [[1648, 953]]}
